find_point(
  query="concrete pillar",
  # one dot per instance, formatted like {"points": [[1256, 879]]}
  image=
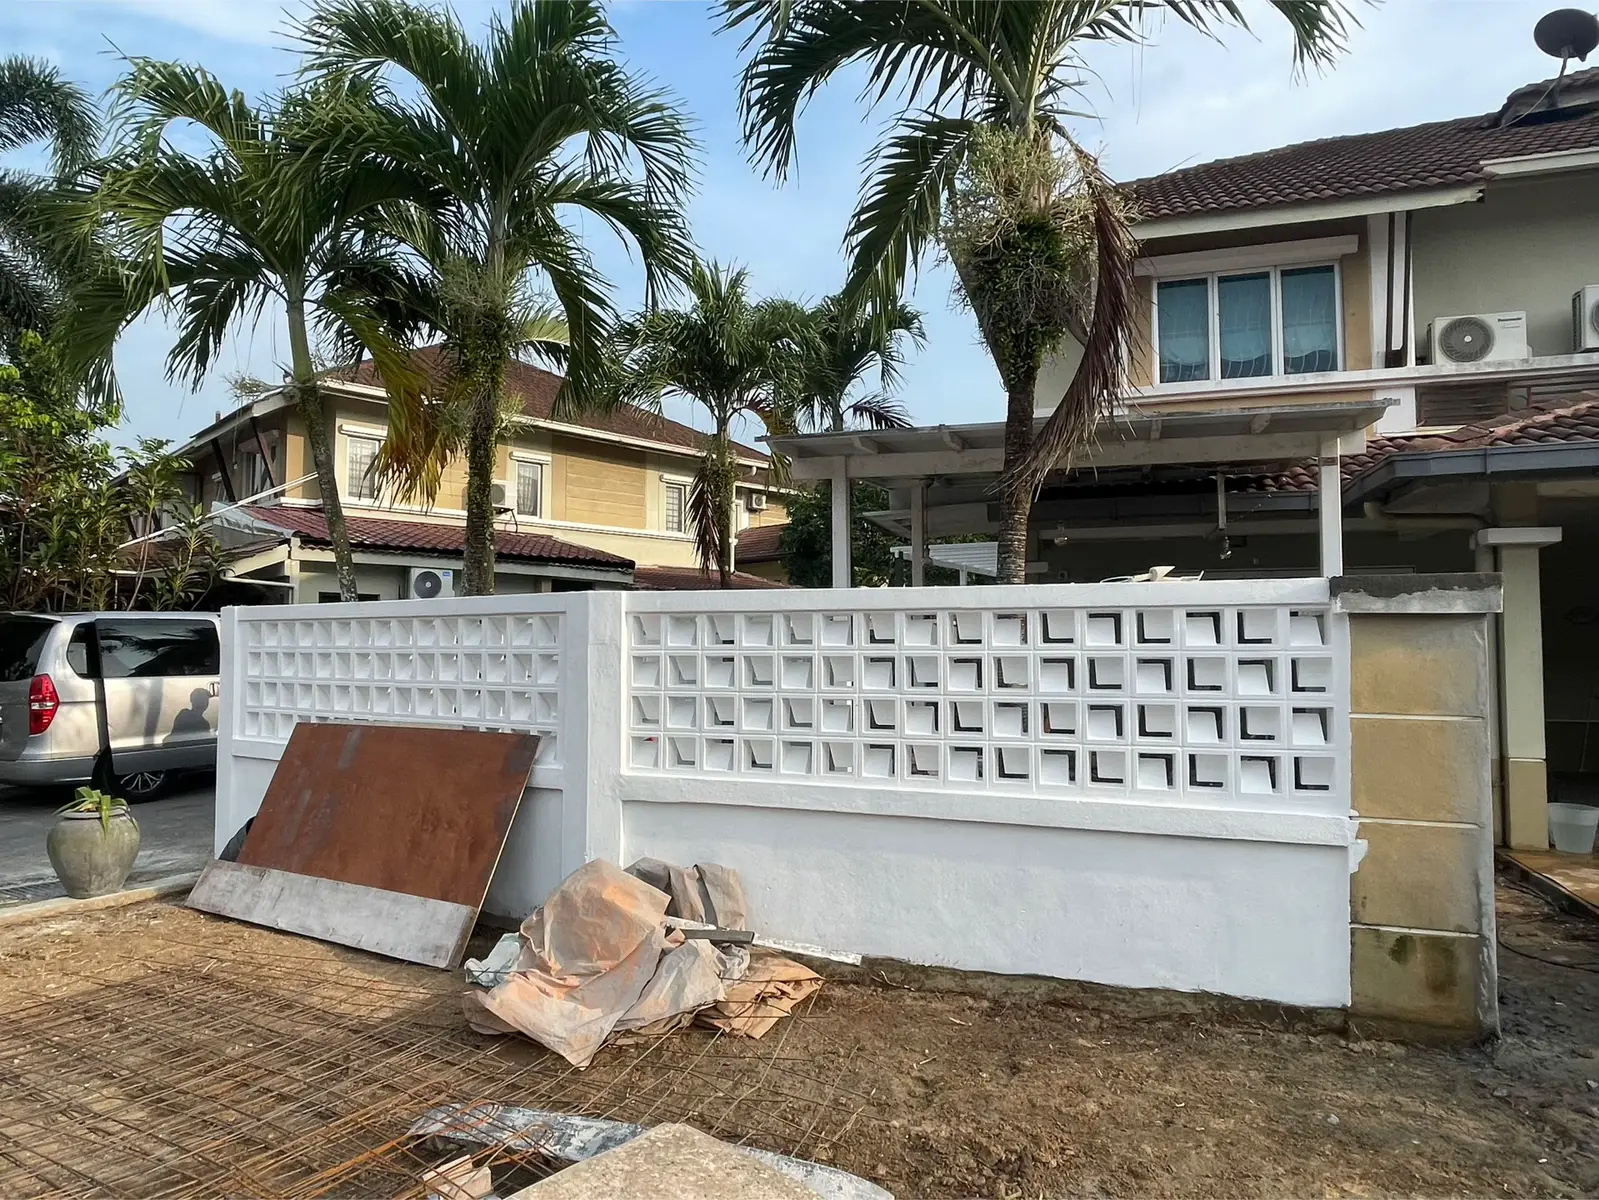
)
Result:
{"points": [[842, 575], [1524, 820], [918, 534], [1330, 510]]}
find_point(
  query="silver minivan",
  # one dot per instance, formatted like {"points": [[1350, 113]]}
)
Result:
{"points": [[125, 700]]}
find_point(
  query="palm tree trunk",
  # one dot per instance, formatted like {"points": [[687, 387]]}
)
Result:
{"points": [[479, 557], [308, 403], [724, 500], [1015, 509]]}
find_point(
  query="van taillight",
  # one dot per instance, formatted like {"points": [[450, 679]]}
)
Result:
{"points": [[42, 704]]}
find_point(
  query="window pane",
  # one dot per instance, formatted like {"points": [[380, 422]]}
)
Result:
{"points": [[674, 507], [1183, 314], [21, 641], [529, 488], [1244, 302], [1310, 320], [361, 485], [146, 649]]}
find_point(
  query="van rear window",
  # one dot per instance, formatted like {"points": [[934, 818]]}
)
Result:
{"points": [[21, 640]]}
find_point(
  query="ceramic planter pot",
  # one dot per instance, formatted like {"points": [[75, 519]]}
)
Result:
{"points": [[89, 859]]}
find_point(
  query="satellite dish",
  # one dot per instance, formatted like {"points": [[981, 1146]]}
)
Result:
{"points": [[1567, 33]]}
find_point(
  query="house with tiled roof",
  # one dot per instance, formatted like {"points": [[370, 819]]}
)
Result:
{"points": [[1374, 353], [583, 499]]}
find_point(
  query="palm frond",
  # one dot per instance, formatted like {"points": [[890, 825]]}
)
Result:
{"points": [[37, 104], [898, 213]]}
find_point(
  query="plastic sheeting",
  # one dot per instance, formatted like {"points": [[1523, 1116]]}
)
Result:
{"points": [[599, 959]]}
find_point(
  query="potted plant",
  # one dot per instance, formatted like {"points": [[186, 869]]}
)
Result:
{"points": [[93, 845]]}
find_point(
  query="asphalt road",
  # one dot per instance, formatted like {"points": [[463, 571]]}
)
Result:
{"points": [[174, 833]]}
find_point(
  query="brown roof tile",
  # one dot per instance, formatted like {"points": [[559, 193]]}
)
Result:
{"points": [[760, 543], [381, 533], [1548, 424], [1435, 155], [692, 579], [537, 388]]}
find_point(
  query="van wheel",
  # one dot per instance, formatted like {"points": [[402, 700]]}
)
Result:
{"points": [[142, 785]]}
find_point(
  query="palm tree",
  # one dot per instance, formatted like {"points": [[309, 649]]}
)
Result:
{"points": [[980, 163], [521, 136], [36, 104], [856, 345], [260, 216], [734, 356]]}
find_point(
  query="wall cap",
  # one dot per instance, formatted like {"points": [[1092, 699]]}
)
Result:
{"points": [[1462, 592]]}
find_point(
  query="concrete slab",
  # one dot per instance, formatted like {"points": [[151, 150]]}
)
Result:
{"points": [[669, 1162]]}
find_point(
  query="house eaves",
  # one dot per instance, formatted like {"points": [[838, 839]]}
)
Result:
{"points": [[1406, 470], [1305, 213]]}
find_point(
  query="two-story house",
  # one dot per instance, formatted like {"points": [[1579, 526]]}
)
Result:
{"points": [[599, 500], [1372, 353]]}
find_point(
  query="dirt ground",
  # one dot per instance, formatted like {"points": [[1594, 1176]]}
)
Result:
{"points": [[927, 1093]]}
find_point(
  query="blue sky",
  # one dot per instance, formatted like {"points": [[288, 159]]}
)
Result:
{"points": [[1181, 100]]}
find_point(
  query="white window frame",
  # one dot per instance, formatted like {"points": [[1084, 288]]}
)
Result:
{"points": [[346, 493], [675, 481], [1212, 279], [519, 459]]}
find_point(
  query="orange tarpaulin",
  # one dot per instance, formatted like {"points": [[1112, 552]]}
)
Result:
{"points": [[597, 959]]}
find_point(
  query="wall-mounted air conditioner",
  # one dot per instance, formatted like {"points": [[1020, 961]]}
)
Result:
{"points": [[429, 583], [1585, 319], [500, 495], [1478, 337], [755, 501]]}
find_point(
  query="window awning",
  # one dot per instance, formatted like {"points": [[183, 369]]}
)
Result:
{"points": [[1238, 435]]}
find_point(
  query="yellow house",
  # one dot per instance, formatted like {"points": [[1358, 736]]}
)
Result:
{"points": [[599, 500]]}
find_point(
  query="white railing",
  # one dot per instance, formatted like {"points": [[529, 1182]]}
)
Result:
{"points": [[1149, 782]]}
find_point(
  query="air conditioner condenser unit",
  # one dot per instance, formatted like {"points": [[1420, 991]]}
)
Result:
{"points": [[1478, 337], [1585, 319], [429, 583]]}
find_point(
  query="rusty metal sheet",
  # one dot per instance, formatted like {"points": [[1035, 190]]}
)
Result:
{"points": [[389, 809], [405, 809]]}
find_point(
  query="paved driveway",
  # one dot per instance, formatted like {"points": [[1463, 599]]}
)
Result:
{"points": [[175, 836]]}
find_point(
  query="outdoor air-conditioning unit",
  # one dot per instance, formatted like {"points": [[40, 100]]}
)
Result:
{"points": [[1478, 337], [427, 583], [755, 501], [1585, 319], [499, 494]]}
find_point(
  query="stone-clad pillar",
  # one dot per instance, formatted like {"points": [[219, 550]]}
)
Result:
{"points": [[1422, 947]]}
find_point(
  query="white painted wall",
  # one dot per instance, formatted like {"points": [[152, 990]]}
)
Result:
{"points": [[1237, 888], [1244, 918]]}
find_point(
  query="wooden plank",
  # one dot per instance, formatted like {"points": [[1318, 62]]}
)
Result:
{"points": [[398, 808], [411, 928], [1573, 876]]}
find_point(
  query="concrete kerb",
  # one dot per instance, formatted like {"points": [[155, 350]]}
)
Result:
{"points": [[65, 906]]}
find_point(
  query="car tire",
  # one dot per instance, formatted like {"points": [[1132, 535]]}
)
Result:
{"points": [[141, 785]]}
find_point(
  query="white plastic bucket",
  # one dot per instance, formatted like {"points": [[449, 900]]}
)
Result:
{"points": [[1572, 827]]}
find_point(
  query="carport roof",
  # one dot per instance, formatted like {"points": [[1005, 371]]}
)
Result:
{"points": [[1241, 435]]}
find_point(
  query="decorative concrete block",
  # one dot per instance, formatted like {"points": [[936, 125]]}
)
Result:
{"points": [[666, 1163], [1419, 877], [1419, 665], [1419, 770], [1418, 978]]}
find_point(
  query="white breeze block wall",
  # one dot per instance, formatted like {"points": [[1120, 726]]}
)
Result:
{"points": [[1138, 784]]}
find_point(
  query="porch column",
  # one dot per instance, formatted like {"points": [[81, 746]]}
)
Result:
{"points": [[1330, 509], [1525, 822], [841, 561], [918, 533]]}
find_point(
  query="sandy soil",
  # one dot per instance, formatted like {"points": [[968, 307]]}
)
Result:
{"points": [[1093, 1095]]}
